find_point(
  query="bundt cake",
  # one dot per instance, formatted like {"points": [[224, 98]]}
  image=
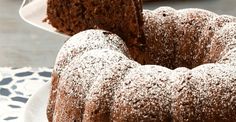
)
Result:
{"points": [[183, 66], [95, 79]]}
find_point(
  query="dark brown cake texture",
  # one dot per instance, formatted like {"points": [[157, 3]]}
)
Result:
{"points": [[122, 17], [99, 76]]}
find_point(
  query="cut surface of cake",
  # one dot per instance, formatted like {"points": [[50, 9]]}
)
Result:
{"points": [[122, 17]]}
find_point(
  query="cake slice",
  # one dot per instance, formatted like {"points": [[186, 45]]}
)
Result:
{"points": [[122, 17]]}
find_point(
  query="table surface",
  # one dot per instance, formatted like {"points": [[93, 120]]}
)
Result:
{"points": [[16, 86]]}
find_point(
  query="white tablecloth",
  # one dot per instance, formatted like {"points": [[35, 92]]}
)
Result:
{"points": [[16, 86]]}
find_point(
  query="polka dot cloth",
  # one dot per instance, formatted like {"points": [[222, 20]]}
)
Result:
{"points": [[16, 86]]}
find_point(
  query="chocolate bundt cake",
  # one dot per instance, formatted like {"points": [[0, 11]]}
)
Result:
{"points": [[95, 79], [179, 65]]}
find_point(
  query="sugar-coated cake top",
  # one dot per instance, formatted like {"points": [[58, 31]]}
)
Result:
{"points": [[99, 77]]}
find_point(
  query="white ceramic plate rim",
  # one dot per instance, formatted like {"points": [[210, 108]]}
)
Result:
{"points": [[34, 12], [35, 109]]}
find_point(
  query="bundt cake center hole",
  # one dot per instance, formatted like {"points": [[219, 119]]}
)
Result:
{"points": [[175, 55]]}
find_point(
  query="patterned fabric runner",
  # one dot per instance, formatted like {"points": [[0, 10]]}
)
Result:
{"points": [[16, 86]]}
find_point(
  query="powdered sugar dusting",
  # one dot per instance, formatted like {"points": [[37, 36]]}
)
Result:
{"points": [[206, 93], [78, 78], [229, 58], [100, 97], [223, 39], [143, 95], [99, 82], [85, 41], [159, 33], [186, 37]]}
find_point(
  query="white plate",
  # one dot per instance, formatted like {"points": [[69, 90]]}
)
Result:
{"points": [[34, 12], [35, 109]]}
